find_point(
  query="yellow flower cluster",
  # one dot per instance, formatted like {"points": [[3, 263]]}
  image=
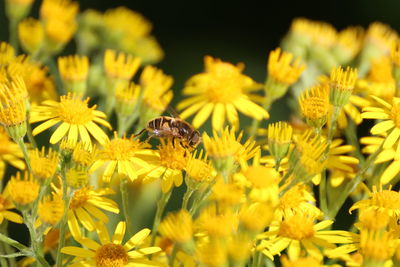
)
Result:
{"points": [[237, 195]]}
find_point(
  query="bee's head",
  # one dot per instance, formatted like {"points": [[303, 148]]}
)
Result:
{"points": [[195, 140]]}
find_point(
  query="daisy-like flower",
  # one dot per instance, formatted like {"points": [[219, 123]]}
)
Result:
{"points": [[87, 203], [390, 124], [44, 165], [254, 217], [177, 227], [111, 251], [279, 139], [23, 189], [314, 105], [51, 209], [385, 200], [74, 72], [341, 85], [298, 233], [222, 90], [77, 120], [349, 43], [120, 65], [199, 168], [336, 158], [126, 155]]}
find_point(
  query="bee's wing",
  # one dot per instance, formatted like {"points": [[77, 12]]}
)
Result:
{"points": [[172, 112]]}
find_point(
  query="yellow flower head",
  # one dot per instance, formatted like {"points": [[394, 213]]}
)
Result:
{"points": [[51, 209], [120, 66], [368, 219], [301, 262], [177, 227], [227, 194], [337, 158], [73, 68], [215, 223], [44, 165], [31, 34], [279, 139], [10, 152], [387, 201], [61, 9], [256, 216], [77, 120], [23, 190], [156, 89], [222, 90], [84, 154], [376, 247], [341, 85], [13, 96], [314, 105], [282, 68], [211, 253], [381, 35], [86, 204], [6, 53], [111, 251], [239, 247], [126, 155], [199, 167], [349, 43], [77, 178], [122, 21], [127, 97], [381, 71], [307, 157], [59, 31]]}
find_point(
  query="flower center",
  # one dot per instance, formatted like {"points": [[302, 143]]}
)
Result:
{"points": [[80, 198], [297, 227], [173, 156], [24, 192], [111, 255], [75, 111], [121, 149], [261, 177], [315, 107]]}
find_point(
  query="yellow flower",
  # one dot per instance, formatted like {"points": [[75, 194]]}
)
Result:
{"points": [[216, 223], [51, 209], [303, 262], [227, 194], [341, 85], [87, 203], [157, 93], [349, 43], [300, 232], [390, 123], [279, 139], [31, 35], [239, 248], [172, 161], [6, 53], [336, 159], [282, 69], [76, 118], [221, 89], [59, 31], [376, 248], [23, 190], [77, 178], [295, 200], [5, 206], [199, 168], [110, 251], [62, 9], [44, 165], [211, 253], [84, 155], [381, 35], [13, 99], [120, 65], [226, 150], [255, 217], [10, 152], [177, 227], [74, 72], [127, 97], [122, 21], [387, 201], [314, 105], [126, 155]]}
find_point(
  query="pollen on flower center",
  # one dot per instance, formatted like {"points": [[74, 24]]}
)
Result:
{"points": [[121, 149], [75, 111], [386, 199], [223, 91], [297, 227], [173, 156], [79, 198], [111, 255]]}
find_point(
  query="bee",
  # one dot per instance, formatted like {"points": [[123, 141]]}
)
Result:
{"points": [[175, 128]]}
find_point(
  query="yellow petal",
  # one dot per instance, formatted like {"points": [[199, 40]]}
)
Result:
{"points": [[78, 252], [45, 126], [12, 216], [102, 233], [218, 117], [192, 109], [382, 127], [391, 171], [85, 219], [59, 133], [119, 233], [137, 239], [84, 135], [202, 115], [392, 138]]}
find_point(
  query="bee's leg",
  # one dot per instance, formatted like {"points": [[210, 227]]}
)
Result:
{"points": [[140, 133], [173, 141]]}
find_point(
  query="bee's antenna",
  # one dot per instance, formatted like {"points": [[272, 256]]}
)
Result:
{"points": [[172, 112]]}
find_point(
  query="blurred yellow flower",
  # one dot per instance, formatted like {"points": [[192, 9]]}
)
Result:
{"points": [[44, 165], [23, 189], [177, 227]]}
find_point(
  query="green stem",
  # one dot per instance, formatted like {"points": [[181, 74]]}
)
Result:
{"points": [[30, 136], [173, 256], [334, 117], [352, 139], [13, 34], [3, 261], [24, 149], [186, 197], [6, 248], [63, 224], [323, 193], [161, 204], [200, 198], [338, 203], [14, 243], [51, 63], [125, 200]]}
